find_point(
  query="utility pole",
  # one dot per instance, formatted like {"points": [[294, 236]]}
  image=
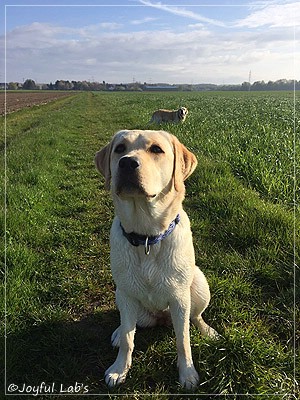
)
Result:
{"points": [[249, 80]]}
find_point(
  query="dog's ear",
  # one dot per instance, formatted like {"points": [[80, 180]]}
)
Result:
{"points": [[102, 161], [185, 163]]}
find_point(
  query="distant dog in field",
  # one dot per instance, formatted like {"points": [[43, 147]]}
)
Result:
{"points": [[152, 255], [176, 116]]}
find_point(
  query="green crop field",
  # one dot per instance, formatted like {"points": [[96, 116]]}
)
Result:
{"points": [[242, 201]]}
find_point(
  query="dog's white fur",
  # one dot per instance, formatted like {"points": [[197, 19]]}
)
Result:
{"points": [[162, 115], [167, 281]]}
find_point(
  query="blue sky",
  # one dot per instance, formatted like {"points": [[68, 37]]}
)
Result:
{"points": [[195, 41]]}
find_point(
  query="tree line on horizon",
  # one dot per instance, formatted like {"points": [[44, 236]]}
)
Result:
{"points": [[30, 84]]}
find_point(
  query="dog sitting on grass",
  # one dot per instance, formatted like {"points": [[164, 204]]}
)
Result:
{"points": [[152, 253]]}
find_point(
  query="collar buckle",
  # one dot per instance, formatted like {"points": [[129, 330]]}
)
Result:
{"points": [[147, 246]]}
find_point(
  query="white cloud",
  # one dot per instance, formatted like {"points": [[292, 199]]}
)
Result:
{"points": [[91, 61], [45, 52], [263, 3], [196, 26], [96, 29], [274, 16], [41, 34], [142, 21]]}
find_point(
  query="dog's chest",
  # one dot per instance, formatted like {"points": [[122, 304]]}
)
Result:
{"points": [[153, 279], [154, 271], [156, 278], [152, 283]]}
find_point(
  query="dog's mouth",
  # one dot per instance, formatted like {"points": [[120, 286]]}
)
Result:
{"points": [[132, 188], [151, 196], [135, 193]]}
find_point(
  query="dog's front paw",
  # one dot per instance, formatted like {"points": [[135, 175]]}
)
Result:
{"points": [[212, 333], [114, 377], [189, 378]]}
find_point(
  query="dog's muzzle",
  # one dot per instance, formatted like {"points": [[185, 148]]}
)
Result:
{"points": [[128, 175]]}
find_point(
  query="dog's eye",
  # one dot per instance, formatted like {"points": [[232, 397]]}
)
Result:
{"points": [[156, 149], [120, 148]]}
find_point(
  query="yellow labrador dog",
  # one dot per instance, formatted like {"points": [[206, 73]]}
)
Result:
{"points": [[176, 116], [152, 254]]}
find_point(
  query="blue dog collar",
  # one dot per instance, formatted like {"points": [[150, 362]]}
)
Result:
{"points": [[142, 240]]}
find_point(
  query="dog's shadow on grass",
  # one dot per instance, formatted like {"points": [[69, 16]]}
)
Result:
{"points": [[69, 354]]}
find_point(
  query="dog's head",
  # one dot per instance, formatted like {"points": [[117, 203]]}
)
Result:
{"points": [[144, 163], [182, 113]]}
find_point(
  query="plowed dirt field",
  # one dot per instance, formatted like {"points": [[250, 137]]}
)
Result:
{"points": [[18, 100]]}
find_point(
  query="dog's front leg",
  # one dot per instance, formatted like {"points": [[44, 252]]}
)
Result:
{"points": [[180, 313], [117, 372]]}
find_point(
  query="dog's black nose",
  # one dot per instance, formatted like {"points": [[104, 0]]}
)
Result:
{"points": [[129, 163]]}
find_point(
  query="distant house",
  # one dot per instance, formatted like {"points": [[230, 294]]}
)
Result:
{"points": [[161, 87]]}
